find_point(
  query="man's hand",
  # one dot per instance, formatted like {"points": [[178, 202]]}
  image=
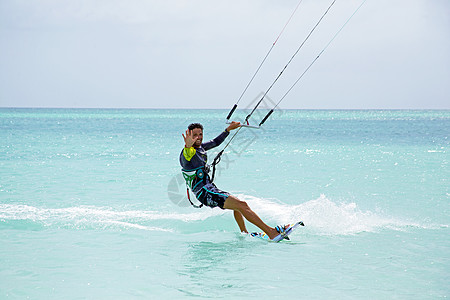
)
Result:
{"points": [[233, 126], [189, 140]]}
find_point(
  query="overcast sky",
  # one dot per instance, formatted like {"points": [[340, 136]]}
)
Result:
{"points": [[393, 54]]}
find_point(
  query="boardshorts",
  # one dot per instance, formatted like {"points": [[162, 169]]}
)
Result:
{"points": [[211, 196]]}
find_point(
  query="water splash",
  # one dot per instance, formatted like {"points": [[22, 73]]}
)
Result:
{"points": [[322, 216], [325, 217], [80, 217]]}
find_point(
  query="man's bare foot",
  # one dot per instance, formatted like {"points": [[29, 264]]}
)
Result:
{"points": [[273, 233]]}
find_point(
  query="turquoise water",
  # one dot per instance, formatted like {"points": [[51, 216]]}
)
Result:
{"points": [[92, 206]]}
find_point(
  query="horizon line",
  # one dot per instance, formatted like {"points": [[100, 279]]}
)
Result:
{"points": [[182, 108]]}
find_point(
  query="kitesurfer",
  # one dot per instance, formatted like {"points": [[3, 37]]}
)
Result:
{"points": [[193, 159]]}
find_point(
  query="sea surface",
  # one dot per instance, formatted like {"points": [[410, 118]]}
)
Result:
{"points": [[93, 206]]}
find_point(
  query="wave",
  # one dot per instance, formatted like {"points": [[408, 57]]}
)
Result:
{"points": [[321, 217], [84, 217], [325, 217]]}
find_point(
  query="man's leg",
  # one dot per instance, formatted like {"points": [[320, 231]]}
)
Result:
{"points": [[240, 221], [235, 204]]}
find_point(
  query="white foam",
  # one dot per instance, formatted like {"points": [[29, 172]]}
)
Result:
{"points": [[325, 217], [321, 216], [92, 216], [136, 226]]}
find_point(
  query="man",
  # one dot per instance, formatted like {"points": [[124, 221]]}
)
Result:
{"points": [[193, 159]]}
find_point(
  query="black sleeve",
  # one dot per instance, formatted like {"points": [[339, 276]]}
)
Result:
{"points": [[217, 141]]}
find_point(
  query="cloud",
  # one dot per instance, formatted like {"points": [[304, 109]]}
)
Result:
{"points": [[202, 53]]}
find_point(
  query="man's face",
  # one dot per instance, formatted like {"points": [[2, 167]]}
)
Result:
{"points": [[197, 132]]}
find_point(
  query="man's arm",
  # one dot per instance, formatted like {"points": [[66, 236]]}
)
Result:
{"points": [[221, 137], [217, 141], [189, 141]]}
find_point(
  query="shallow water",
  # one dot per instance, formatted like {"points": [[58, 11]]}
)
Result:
{"points": [[92, 205]]}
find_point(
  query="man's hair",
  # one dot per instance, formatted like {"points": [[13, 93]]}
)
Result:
{"points": [[195, 125]]}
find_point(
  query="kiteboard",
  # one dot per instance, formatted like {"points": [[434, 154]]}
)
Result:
{"points": [[284, 235]]}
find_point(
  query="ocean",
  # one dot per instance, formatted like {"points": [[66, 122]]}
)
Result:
{"points": [[93, 206]]}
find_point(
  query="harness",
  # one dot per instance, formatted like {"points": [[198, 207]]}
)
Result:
{"points": [[193, 178]]}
